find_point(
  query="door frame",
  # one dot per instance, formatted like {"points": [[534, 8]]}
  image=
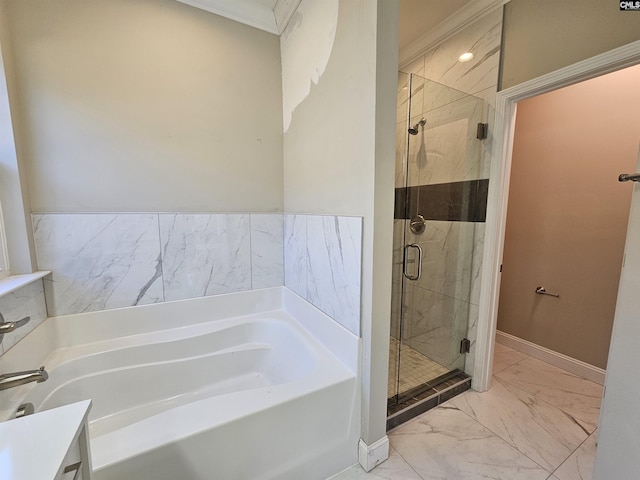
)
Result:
{"points": [[504, 127]]}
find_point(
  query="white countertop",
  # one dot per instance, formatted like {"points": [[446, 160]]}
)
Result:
{"points": [[34, 447]]}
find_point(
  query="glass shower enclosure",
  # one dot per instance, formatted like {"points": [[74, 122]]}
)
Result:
{"points": [[439, 201]]}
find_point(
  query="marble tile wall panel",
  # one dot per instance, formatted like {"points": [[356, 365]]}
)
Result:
{"points": [[472, 336], [323, 257], [401, 148], [438, 323], [447, 254], [267, 250], [333, 281], [403, 97], [102, 261], [99, 261], [483, 39], [476, 263], [204, 254], [295, 253], [446, 149], [25, 301]]}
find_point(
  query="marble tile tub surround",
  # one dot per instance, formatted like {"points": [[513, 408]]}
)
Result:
{"points": [[323, 257], [28, 300], [102, 261]]}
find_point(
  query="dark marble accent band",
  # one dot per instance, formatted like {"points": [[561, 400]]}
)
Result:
{"points": [[457, 201], [425, 397]]}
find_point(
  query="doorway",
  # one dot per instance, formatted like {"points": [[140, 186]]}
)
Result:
{"points": [[566, 221], [608, 62]]}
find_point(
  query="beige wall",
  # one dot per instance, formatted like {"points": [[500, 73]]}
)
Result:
{"points": [[339, 159], [149, 105], [567, 214], [542, 36]]}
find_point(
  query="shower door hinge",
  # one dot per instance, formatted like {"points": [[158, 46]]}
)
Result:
{"points": [[465, 345], [483, 131]]}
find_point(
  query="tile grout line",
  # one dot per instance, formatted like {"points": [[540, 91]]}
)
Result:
{"points": [[506, 441], [404, 460], [580, 424], [574, 451]]}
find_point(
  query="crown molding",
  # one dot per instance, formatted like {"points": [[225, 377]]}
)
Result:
{"points": [[283, 11], [272, 19], [474, 11]]}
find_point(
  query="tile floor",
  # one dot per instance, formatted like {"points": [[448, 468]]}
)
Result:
{"points": [[536, 422], [415, 368]]}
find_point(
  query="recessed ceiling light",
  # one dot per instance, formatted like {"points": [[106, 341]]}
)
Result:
{"points": [[465, 57]]}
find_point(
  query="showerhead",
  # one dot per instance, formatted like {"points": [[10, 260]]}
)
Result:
{"points": [[414, 130]]}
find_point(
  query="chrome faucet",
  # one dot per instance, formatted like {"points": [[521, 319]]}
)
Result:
{"points": [[6, 327], [10, 380]]}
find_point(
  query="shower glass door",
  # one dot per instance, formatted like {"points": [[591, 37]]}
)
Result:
{"points": [[440, 201]]}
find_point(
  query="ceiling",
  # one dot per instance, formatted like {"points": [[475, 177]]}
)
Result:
{"points": [[419, 16], [416, 16]]}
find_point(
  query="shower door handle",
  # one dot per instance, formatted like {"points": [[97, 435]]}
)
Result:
{"points": [[406, 256]]}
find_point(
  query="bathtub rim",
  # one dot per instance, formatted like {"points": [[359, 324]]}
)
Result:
{"points": [[55, 332]]}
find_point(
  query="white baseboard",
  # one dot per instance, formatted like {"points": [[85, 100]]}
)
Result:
{"points": [[372, 455], [556, 359]]}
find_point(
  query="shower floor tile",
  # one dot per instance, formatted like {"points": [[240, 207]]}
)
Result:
{"points": [[415, 368]]}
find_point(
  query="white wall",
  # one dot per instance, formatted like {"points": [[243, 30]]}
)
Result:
{"points": [[339, 159], [149, 105], [618, 445]]}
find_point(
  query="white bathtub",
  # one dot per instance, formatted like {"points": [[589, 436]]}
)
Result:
{"points": [[226, 387]]}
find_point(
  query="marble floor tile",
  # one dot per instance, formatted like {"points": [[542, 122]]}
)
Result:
{"points": [[445, 443], [542, 432], [579, 466], [577, 397], [504, 357], [395, 468]]}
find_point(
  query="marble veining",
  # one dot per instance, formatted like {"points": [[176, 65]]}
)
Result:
{"points": [[540, 431], [445, 443], [447, 257], [438, 324], [99, 261], [578, 398], [323, 257], [334, 267], [579, 466], [504, 433], [295, 253], [204, 254], [483, 39]]}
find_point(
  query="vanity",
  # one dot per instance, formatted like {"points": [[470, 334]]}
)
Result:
{"points": [[50, 445]]}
